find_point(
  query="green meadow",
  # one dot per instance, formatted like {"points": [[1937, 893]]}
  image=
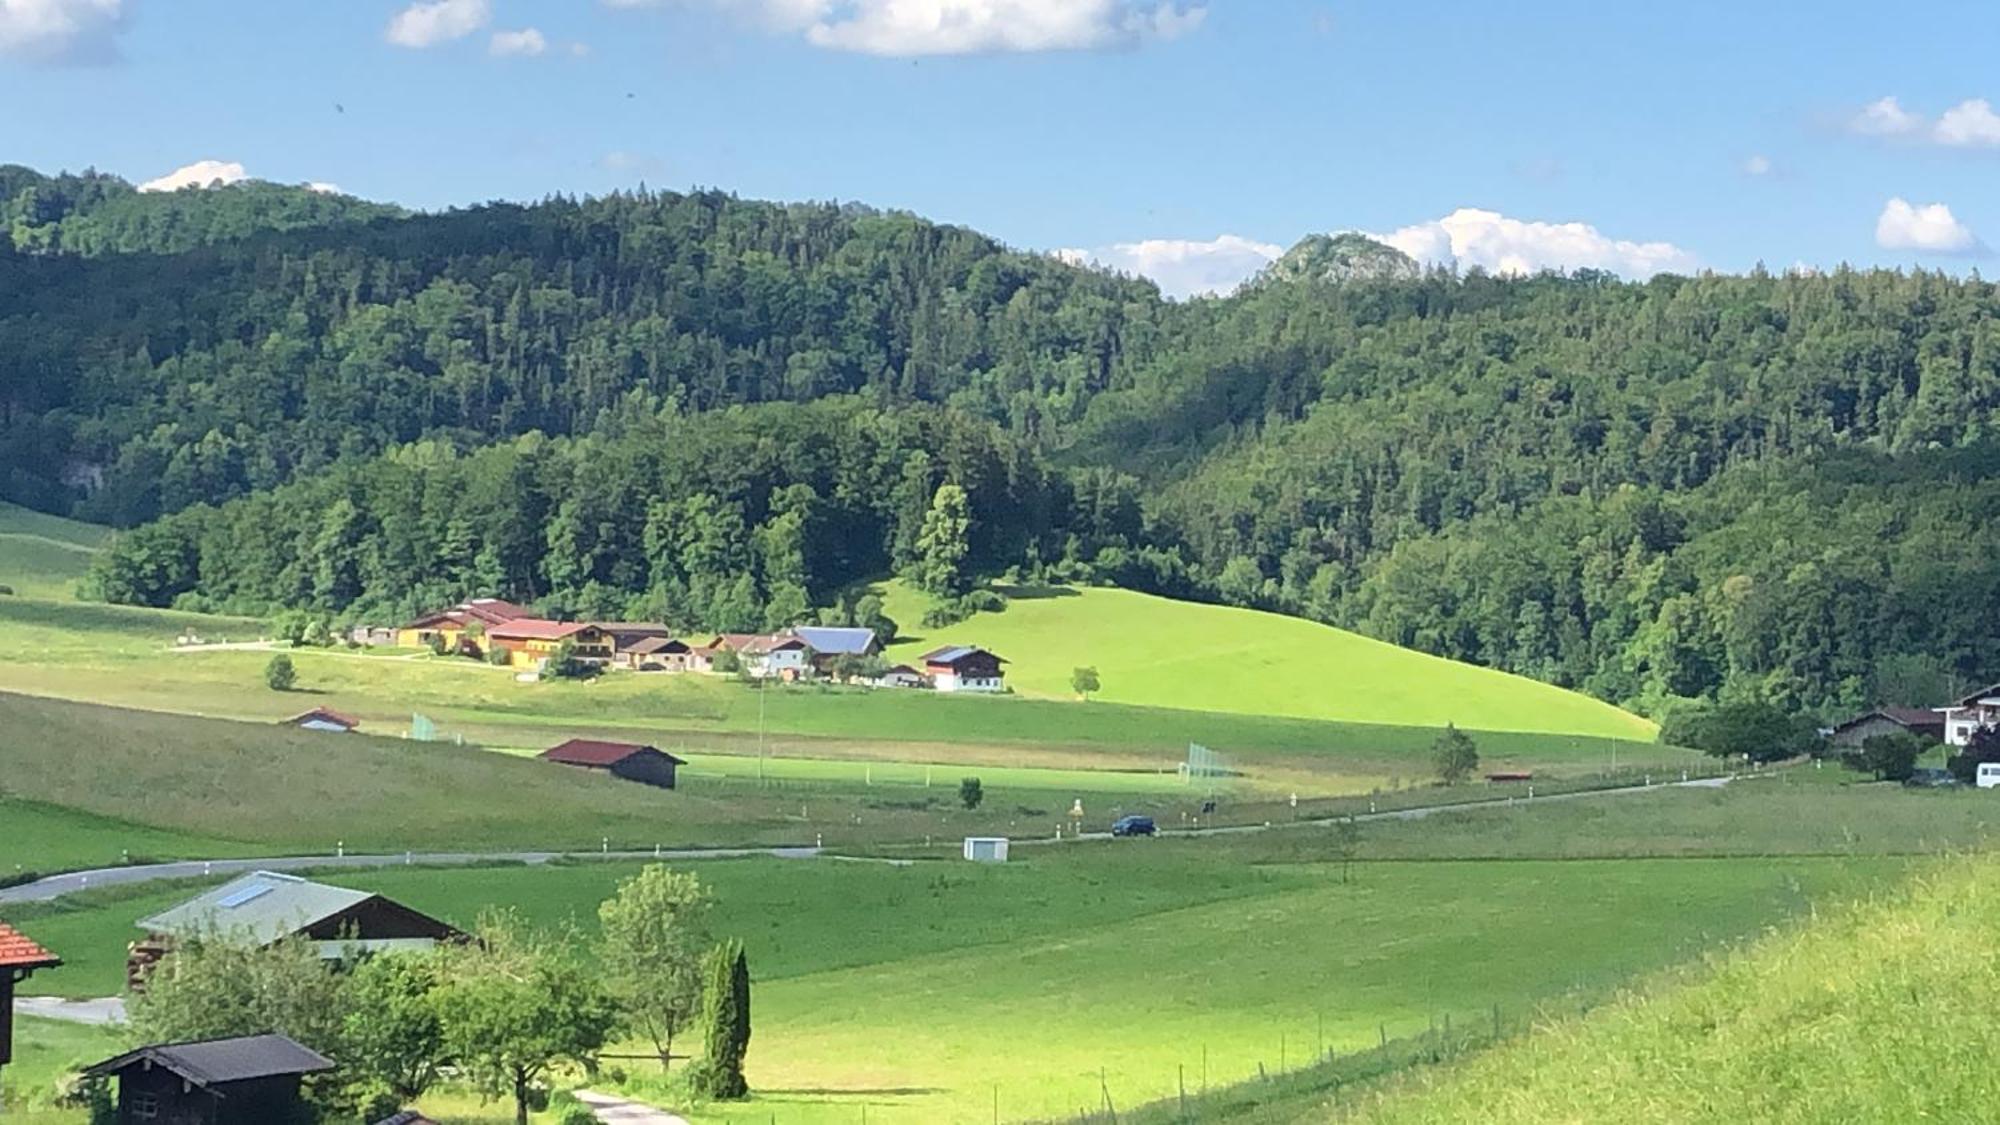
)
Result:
{"points": [[1105, 964], [126, 656], [41, 555], [1158, 652]]}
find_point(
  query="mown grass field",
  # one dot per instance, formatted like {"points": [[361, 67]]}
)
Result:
{"points": [[1154, 651], [114, 781], [124, 656], [41, 555], [958, 978]]}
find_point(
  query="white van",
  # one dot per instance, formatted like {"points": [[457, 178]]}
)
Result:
{"points": [[1989, 775]]}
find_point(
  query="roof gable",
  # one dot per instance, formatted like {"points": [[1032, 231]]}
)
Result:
{"points": [[535, 629], [324, 714], [262, 906], [592, 752], [211, 1062], [19, 951], [837, 641]]}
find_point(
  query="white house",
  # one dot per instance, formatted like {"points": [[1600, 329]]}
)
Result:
{"points": [[964, 668], [901, 676], [1980, 709], [777, 656]]}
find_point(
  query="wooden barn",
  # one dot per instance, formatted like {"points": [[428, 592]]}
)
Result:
{"points": [[19, 956], [248, 1080], [648, 765]]}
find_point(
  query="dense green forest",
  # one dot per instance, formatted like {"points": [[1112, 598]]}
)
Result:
{"points": [[726, 412]]}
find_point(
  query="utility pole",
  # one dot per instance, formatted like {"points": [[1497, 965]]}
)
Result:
{"points": [[760, 730]]}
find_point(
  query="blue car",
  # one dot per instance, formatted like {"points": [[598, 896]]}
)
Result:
{"points": [[1133, 826]]}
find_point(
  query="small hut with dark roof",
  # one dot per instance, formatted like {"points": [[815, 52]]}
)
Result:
{"points": [[248, 1080]]}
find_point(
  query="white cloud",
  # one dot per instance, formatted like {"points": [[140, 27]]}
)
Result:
{"points": [[427, 23], [1183, 267], [527, 41], [1971, 123], [1930, 227], [1885, 118], [202, 173], [1471, 237], [60, 30], [1757, 164], [963, 27]]}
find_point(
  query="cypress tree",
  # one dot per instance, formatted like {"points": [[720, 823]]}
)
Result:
{"points": [[725, 1021]]}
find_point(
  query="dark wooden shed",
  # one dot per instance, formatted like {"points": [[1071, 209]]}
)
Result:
{"points": [[249, 1080], [648, 765]]}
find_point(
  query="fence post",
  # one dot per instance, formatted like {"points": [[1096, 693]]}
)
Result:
{"points": [[1181, 1068]]}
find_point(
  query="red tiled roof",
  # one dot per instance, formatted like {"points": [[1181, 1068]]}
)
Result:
{"points": [[591, 752], [535, 629], [492, 611], [18, 951]]}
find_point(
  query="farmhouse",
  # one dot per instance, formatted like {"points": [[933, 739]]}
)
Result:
{"points": [[831, 643], [964, 668], [1920, 721], [323, 719], [19, 956], [1971, 713], [626, 636], [452, 625], [901, 676], [250, 1080], [528, 641], [264, 907], [648, 765], [782, 656]]}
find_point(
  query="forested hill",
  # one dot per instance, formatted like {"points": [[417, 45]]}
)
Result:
{"points": [[724, 412]]}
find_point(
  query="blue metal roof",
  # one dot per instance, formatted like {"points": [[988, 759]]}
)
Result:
{"points": [[836, 641]]}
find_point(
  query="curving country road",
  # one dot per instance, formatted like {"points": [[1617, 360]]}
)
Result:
{"points": [[56, 886]]}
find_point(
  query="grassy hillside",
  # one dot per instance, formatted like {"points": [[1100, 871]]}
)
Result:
{"points": [[43, 555], [172, 785], [1882, 1012], [1159, 652], [125, 656]]}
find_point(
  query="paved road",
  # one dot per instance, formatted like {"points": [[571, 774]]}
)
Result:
{"points": [[108, 1010], [622, 1112], [1518, 800], [55, 886]]}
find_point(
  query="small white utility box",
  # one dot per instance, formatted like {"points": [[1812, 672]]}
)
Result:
{"points": [[1989, 777], [986, 849]]}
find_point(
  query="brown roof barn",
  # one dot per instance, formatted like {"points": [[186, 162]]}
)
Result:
{"points": [[1919, 721], [648, 765], [249, 1080]]}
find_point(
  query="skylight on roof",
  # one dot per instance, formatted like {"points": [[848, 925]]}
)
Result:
{"points": [[247, 894]]}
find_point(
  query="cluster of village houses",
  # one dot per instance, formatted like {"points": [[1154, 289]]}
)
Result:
{"points": [[484, 626]]}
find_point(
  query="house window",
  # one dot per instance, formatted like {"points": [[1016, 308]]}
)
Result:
{"points": [[145, 1107]]}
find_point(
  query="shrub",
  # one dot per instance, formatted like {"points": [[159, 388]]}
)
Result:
{"points": [[1454, 755], [971, 792], [279, 675]]}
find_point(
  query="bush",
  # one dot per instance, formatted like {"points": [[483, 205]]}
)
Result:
{"points": [[971, 792], [1889, 757], [1983, 747], [279, 675], [6, 591], [498, 657], [1762, 732], [1454, 755]]}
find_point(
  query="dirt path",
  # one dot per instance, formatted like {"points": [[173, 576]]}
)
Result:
{"points": [[611, 1109]]}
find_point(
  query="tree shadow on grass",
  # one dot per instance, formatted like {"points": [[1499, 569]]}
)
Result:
{"points": [[1036, 593]]}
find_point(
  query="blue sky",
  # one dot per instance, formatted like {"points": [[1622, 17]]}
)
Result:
{"points": [[1173, 137]]}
